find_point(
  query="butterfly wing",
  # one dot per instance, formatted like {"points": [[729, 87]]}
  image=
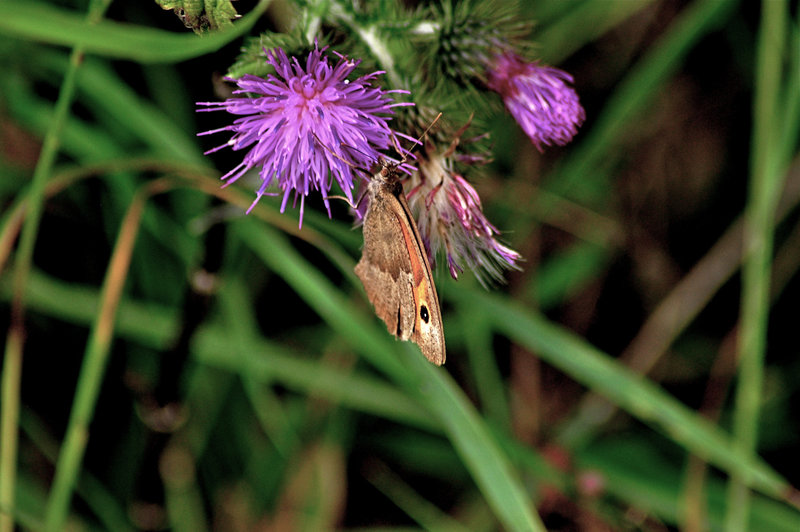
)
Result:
{"points": [[395, 272]]}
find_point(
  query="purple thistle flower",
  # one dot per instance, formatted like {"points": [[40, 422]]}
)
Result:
{"points": [[538, 97], [307, 126], [451, 219]]}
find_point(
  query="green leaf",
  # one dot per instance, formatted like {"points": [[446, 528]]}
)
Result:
{"points": [[46, 23], [252, 59], [202, 16]]}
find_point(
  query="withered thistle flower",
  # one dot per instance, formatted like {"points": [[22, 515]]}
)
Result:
{"points": [[450, 217]]}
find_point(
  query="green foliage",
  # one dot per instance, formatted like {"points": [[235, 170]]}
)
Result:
{"points": [[201, 16], [252, 59], [227, 370]]}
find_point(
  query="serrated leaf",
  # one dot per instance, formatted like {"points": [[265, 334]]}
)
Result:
{"points": [[253, 61], [202, 15], [220, 13]]}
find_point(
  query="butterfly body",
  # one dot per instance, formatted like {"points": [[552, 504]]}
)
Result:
{"points": [[394, 267]]}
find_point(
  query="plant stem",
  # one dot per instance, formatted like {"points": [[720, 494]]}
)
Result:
{"points": [[372, 39], [15, 341], [765, 182], [95, 358]]}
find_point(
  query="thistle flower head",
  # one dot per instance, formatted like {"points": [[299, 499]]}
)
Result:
{"points": [[450, 217], [538, 97], [306, 125]]}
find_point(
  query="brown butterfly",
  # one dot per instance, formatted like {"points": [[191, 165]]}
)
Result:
{"points": [[394, 267]]}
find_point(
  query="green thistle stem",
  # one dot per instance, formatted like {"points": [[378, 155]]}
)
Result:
{"points": [[370, 37], [312, 20]]}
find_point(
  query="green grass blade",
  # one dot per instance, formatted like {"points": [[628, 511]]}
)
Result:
{"points": [[412, 503], [481, 454], [46, 23], [558, 39], [182, 498], [146, 323], [106, 507], [489, 384], [353, 324], [765, 184], [103, 89], [627, 390], [647, 478], [92, 370], [266, 362], [12, 360], [467, 432], [636, 92]]}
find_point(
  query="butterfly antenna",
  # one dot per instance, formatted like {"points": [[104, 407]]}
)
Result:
{"points": [[429, 127], [417, 141]]}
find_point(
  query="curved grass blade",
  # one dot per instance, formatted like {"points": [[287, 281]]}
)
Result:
{"points": [[46, 23], [94, 362], [629, 391]]}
